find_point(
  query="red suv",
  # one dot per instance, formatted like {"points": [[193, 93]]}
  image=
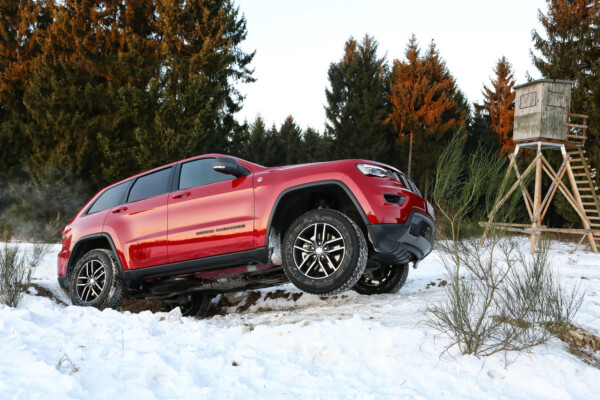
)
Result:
{"points": [[184, 232]]}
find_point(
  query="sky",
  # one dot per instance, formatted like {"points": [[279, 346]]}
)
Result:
{"points": [[296, 41]]}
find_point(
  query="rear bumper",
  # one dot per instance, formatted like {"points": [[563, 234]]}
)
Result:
{"points": [[403, 243], [62, 281]]}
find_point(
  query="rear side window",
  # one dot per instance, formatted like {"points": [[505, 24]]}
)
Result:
{"points": [[150, 185], [200, 172], [110, 198]]}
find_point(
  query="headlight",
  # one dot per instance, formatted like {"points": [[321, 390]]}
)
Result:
{"points": [[430, 210], [375, 170]]}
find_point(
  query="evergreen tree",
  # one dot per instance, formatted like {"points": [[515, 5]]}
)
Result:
{"points": [[240, 142], [480, 131], [21, 22], [257, 142], [289, 141], [128, 85], [357, 103], [499, 103], [201, 61], [315, 147], [426, 105], [569, 49]]}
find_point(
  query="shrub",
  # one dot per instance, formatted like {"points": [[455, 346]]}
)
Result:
{"points": [[16, 269], [497, 298]]}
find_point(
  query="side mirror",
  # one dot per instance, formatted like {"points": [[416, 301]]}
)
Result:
{"points": [[228, 165]]}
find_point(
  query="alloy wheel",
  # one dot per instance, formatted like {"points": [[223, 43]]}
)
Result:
{"points": [[319, 250], [91, 281]]}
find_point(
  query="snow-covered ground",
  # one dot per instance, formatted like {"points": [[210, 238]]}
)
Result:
{"points": [[349, 346]]}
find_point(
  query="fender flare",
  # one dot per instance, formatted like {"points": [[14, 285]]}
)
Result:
{"points": [[335, 182], [87, 238]]}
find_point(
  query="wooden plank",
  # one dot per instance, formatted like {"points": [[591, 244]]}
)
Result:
{"points": [[514, 225], [513, 187], [580, 126], [578, 115], [526, 197], [553, 187]]}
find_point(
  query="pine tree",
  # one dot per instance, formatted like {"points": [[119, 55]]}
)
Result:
{"points": [[257, 142], [480, 131], [87, 94], [569, 49], [289, 141], [499, 103], [357, 104], [426, 105], [201, 62], [21, 22], [123, 86], [315, 147]]}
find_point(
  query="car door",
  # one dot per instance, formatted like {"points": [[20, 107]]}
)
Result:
{"points": [[139, 227], [210, 213]]}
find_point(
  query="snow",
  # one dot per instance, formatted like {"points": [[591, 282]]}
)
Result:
{"points": [[349, 346]]}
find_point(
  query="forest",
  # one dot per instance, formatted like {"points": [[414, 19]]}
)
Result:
{"points": [[92, 92]]}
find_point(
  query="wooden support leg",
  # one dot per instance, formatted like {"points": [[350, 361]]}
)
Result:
{"points": [[501, 201], [537, 199]]}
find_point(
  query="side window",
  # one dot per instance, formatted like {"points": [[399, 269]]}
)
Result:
{"points": [[110, 198], [200, 172], [150, 185]]}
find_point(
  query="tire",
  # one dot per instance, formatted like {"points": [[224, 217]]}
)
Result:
{"points": [[196, 305], [324, 252], [96, 281], [382, 279]]}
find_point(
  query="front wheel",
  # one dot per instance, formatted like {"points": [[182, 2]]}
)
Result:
{"points": [[96, 282], [324, 252], [381, 278]]}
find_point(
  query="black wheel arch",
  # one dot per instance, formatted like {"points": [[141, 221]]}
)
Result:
{"points": [[90, 242], [296, 200]]}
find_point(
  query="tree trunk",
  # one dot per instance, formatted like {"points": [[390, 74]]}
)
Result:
{"points": [[410, 154], [426, 186]]}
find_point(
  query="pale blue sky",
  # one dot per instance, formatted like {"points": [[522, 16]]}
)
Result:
{"points": [[295, 41]]}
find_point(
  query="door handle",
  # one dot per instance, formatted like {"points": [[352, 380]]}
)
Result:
{"points": [[119, 210], [181, 195]]}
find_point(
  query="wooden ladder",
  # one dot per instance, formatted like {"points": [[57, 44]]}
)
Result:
{"points": [[587, 189]]}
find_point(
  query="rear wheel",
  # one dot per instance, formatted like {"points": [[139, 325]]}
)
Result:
{"points": [[324, 252], [195, 305], [96, 281], [381, 278]]}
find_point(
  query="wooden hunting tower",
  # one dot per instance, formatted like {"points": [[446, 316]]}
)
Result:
{"points": [[542, 121], [541, 109]]}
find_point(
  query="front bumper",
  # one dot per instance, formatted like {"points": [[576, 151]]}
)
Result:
{"points": [[403, 243]]}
